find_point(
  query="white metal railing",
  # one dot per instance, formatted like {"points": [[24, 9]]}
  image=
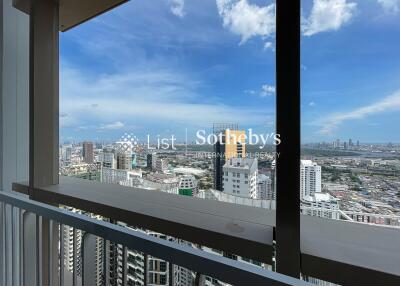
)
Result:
{"points": [[20, 224]]}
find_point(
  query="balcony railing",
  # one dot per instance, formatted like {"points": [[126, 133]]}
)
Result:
{"points": [[342, 252], [21, 222]]}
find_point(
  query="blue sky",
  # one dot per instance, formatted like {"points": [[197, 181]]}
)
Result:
{"points": [[158, 67]]}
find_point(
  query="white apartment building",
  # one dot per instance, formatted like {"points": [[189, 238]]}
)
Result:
{"points": [[108, 158], [310, 178], [188, 183], [158, 164], [161, 182], [122, 177], [321, 205], [240, 177], [66, 153], [264, 188], [73, 238]]}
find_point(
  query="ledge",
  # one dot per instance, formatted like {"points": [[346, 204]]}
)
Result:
{"points": [[343, 252], [353, 251], [242, 230]]}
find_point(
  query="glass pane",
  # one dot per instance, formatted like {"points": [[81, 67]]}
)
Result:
{"points": [[175, 97], [350, 100], [182, 102]]}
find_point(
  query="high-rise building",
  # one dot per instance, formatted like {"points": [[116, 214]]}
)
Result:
{"points": [[124, 155], [240, 177], [149, 158], [72, 242], [264, 188], [235, 144], [141, 269], [87, 152], [122, 177], [134, 160], [108, 158], [188, 186], [310, 178], [124, 161], [66, 152], [158, 164], [230, 143]]}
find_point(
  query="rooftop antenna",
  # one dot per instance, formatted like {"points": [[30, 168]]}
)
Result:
{"points": [[186, 142]]}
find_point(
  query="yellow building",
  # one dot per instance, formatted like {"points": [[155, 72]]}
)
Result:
{"points": [[235, 144]]}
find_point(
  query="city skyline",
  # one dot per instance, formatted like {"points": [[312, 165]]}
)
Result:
{"points": [[208, 63]]}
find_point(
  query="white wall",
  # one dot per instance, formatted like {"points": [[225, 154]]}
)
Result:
{"points": [[14, 101]]}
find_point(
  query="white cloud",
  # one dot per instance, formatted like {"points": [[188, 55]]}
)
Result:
{"points": [[250, 20], [312, 103], [388, 104], [177, 8], [247, 20], [112, 126], [267, 90], [144, 99], [328, 15], [269, 46], [250, 91], [392, 6]]}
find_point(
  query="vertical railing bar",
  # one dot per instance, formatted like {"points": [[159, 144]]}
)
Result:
{"points": [[2, 244], [5, 246], [82, 258], [74, 254], [8, 250], [49, 253], [171, 272], [61, 255], [16, 250], [105, 262], [124, 265], [21, 245], [37, 227], [12, 247]]}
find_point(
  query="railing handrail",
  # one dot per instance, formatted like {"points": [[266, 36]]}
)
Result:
{"points": [[224, 269], [213, 224]]}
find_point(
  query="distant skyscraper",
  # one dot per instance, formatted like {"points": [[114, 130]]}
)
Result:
{"points": [[310, 178], [108, 158], [134, 160], [158, 164], [87, 152], [231, 143], [66, 153], [240, 177], [124, 155], [264, 188], [150, 161], [124, 161]]}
